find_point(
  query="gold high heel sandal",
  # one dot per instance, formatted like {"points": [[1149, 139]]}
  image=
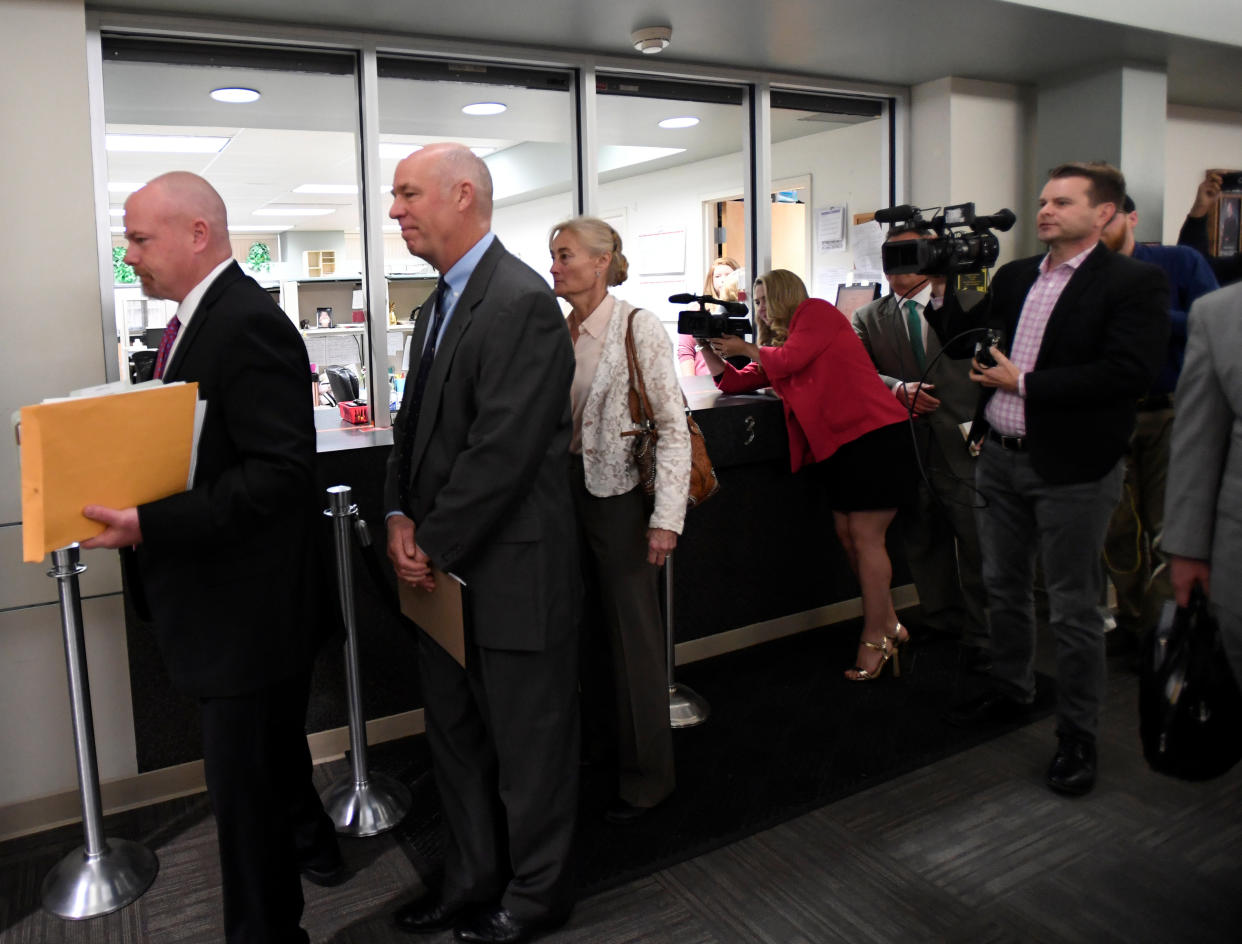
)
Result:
{"points": [[886, 651], [897, 638]]}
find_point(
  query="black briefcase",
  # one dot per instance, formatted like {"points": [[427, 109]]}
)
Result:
{"points": [[1190, 708]]}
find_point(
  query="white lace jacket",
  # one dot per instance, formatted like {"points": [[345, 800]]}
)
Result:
{"points": [[606, 454]]}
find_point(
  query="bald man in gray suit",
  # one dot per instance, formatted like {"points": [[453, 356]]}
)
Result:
{"points": [[1203, 505]]}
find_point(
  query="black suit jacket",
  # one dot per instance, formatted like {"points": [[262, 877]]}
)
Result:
{"points": [[489, 489], [1102, 348], [231, 569]]}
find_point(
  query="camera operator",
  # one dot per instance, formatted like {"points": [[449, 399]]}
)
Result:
{"points": [[1088, 329], [845, 425], [939, 536]]}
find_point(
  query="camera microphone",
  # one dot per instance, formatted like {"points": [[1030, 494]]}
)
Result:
{"points": [[729, 308], [1002, 220], [897, 214]]}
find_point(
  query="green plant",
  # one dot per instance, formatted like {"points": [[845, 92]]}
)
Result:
{"points": [[259, 258], [122, 274]]}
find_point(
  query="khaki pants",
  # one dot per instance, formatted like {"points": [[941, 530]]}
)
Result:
{"points": [[1132, 549]]}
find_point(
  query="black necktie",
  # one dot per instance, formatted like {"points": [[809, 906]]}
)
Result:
{"points": [[416, 397]]}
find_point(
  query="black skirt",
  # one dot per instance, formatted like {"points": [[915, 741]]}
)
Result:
{"points": [[873, 472]]}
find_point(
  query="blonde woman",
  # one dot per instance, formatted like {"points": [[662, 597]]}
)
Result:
{"points": [[845, 424], [624, 541]]}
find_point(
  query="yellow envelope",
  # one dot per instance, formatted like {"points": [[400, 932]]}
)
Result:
{"points": [[119, 450], [438, 613]]}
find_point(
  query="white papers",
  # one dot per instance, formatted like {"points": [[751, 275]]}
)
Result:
{"points": [[830, 228]]}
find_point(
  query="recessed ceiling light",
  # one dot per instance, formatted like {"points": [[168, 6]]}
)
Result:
{"points": [[116, 211], [326, 188], [683, 121], [165, 143], [395, 149], [235, 96], [485, 108], [294, 211], [123, 187], [116, 229], [267, 228]]}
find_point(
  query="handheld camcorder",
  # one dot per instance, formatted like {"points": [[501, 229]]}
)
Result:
{"points": [[963, 242], [701, 323], [992, 338]]}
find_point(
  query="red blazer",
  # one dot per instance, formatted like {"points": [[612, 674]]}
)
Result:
{"points": [[830, 388]]}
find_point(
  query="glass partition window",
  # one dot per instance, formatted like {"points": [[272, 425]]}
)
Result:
{"points": [[520, 121], [829, 164], [275, 132], [672, 174]]}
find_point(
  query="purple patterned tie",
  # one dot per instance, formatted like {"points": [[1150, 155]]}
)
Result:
{"points": [[166, 343]]}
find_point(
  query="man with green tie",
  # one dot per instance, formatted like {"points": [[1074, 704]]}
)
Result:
{"points": [[938, 530]]}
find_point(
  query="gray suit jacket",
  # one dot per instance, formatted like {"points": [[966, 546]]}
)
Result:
{"points": [[1203, 501], [489, 490], [881, 325]]}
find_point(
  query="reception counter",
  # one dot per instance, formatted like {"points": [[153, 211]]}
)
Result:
{"points": [[759, 559]]}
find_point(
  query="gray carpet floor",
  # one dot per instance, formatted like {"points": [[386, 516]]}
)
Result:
{"points": [[973, 848]]}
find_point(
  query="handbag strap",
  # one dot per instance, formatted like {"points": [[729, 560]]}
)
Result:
{"points": [[640, 406]]}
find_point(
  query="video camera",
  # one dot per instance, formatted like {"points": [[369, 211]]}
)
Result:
{"points": [[701, 323], [950, 251]]}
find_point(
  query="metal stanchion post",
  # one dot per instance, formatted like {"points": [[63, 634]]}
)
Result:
{"points": [[359, 804], [686, 708], [104, 874]]}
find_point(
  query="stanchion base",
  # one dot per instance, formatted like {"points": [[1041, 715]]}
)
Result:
{"points": [[81, 886], [369, 808], [686, 708]]}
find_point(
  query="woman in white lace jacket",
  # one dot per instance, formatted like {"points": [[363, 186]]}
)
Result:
{"points": [[624, 541]]}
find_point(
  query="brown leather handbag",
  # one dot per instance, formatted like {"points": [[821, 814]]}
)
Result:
{"points": [[703, 481]]}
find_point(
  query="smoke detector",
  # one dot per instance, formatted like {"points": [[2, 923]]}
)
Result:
{"points": [[651, 39]]}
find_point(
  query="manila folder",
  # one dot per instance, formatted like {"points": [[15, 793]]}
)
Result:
{"points": [[118, 451], [438, 613]]}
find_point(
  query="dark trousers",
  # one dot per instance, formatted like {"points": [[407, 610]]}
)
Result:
{"points": [[268, 815], [503, 734], [625, 654], [1065, 525]]}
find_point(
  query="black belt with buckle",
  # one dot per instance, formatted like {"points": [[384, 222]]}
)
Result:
{"points": [[1159, 401], [1012, 443]]}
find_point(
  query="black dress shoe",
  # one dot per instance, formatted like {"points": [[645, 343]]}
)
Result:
{"points": [[325, 868], [500, 926], [991, 707], [427, 914], [1072, 770], [622, 813]]}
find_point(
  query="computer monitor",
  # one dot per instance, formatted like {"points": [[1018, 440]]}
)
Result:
{"points": [[852, 297], [151, 338]]}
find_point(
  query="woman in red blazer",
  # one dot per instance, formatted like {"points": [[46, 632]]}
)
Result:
{"points": [[845, 424]]}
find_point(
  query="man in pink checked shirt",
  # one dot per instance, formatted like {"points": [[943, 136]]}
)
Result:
{"points": [[1086, 330]]}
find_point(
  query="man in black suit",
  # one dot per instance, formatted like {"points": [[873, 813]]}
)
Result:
{"points": [[477, 482], [1086, 331], [228, 571]]}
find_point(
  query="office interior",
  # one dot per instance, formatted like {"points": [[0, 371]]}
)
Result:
{"points": [[803, 107]]}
